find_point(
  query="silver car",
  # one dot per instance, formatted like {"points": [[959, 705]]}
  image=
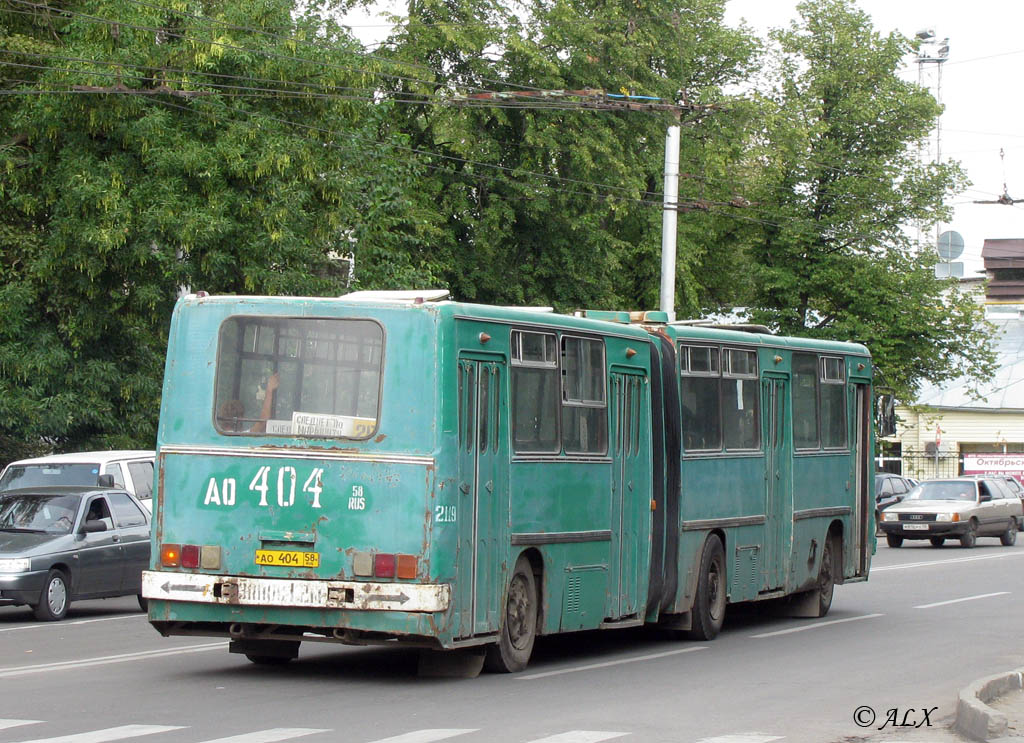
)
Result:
{"points": [[963, 508]]}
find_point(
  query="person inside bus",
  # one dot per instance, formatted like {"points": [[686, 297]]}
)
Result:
{"points": [[232, 412], [273, 382]]}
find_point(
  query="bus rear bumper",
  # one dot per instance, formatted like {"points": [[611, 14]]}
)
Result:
{"points": [[285, 592]]}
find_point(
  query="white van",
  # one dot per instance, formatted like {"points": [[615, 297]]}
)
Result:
{"points": [[131, 470]]}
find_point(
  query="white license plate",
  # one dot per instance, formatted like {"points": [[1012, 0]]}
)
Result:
{"points": [[915, 527]]}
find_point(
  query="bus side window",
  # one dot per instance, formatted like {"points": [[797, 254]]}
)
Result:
{"points": [[701, 403]]}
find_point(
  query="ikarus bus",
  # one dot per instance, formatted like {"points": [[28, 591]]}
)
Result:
{"points": [[396, 468]]}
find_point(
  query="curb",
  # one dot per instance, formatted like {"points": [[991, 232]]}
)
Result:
{"points": [[974, 718]]}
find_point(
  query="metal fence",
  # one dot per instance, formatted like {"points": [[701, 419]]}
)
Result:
{"points": [[924, 466]]}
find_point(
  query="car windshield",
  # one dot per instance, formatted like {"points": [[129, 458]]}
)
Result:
{"points": [[45, 475], [44, 514], [944, 490]]}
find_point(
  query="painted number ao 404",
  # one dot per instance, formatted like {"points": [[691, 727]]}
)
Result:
{"points": [[271, 487]]}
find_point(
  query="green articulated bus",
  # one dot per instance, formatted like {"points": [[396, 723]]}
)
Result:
{"points": [[395, 468]]}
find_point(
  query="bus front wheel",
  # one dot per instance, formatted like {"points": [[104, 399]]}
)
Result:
{"points": [[519, 623], [709, 604]]}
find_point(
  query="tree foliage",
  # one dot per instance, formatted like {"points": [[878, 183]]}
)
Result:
{"points": [[235, 146], [839, 187], [151, 159]]}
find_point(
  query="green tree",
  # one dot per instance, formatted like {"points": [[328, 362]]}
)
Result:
{"points": [[210, 145], [837, 182], [547, 200]]}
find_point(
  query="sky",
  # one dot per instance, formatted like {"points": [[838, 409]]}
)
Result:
{"points": [[981, 85]]}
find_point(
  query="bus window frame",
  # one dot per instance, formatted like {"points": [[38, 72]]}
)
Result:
{"points": [[283, 318], [755, 376], [823, 380], [569, 402]]}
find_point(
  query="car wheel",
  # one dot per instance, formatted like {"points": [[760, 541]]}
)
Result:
{"points": [[937, 541], [970, 537], [1009, 537], [54, 599], [894, 540], [143, 602]]}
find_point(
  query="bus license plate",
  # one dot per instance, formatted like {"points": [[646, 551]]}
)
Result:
{"points": [[916, 527], [288, 559]]}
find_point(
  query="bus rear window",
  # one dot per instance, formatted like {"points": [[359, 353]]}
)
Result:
{"points": [[298, 377]]}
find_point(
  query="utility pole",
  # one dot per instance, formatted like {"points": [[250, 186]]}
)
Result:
{"points": [[669, 211], [671, 206]]}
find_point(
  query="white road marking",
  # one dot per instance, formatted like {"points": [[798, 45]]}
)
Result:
{"points": [[268, 736], [426, 736], [816, 625], [101, 736], [580, 736], [741, 738], [58, 625], [965, 598], [4, 724], [906, 566], [103, 661], [592, 666]]}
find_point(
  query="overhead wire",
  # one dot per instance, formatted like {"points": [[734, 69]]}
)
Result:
{"points": [[533, 104]]}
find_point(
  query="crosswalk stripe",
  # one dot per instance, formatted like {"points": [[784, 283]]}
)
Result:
{"points": [[101, 736], [4, 724], [742, 738], [580, 736], [268, 736], [427, 735]]}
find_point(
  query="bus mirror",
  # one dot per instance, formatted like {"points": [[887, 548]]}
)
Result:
{"points": [[886, 419]]}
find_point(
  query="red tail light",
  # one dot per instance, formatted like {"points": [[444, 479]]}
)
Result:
{"points": [[384, 565], [190, 555]]}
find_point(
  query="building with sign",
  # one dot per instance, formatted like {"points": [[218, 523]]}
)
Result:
{"points": [[956, 428]]}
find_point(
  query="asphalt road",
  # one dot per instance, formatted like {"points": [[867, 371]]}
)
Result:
{"points": [[928, 622]]}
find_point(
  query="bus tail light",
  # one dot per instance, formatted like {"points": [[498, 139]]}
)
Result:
{"points": [[190, 556], [170, 555], [209, 557], [384, 565], [406, 566]]}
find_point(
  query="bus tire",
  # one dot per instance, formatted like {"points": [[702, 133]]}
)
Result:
{"points": [[519, 623], [709, 604], [827, 575]]}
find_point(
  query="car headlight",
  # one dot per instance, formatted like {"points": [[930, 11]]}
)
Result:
{"points": [[947, 517], [15, 565], [886, 516]]}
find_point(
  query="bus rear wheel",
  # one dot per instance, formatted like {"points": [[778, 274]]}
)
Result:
{"points": [[519, 623], [827, 575], [709, 603]]}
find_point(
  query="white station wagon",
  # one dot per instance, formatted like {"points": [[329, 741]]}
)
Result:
{"points": [[131, 470], [963, 508]]}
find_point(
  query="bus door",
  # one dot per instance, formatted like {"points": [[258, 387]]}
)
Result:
{"points": [[483, 494], [626, 397], [862, 507], [778, 496]]}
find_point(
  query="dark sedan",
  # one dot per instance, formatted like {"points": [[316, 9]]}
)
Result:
{"points": [[68, 543]]}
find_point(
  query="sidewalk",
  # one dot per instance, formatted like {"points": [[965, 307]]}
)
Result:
{"points": [[990, 709], [1011, 705]]}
